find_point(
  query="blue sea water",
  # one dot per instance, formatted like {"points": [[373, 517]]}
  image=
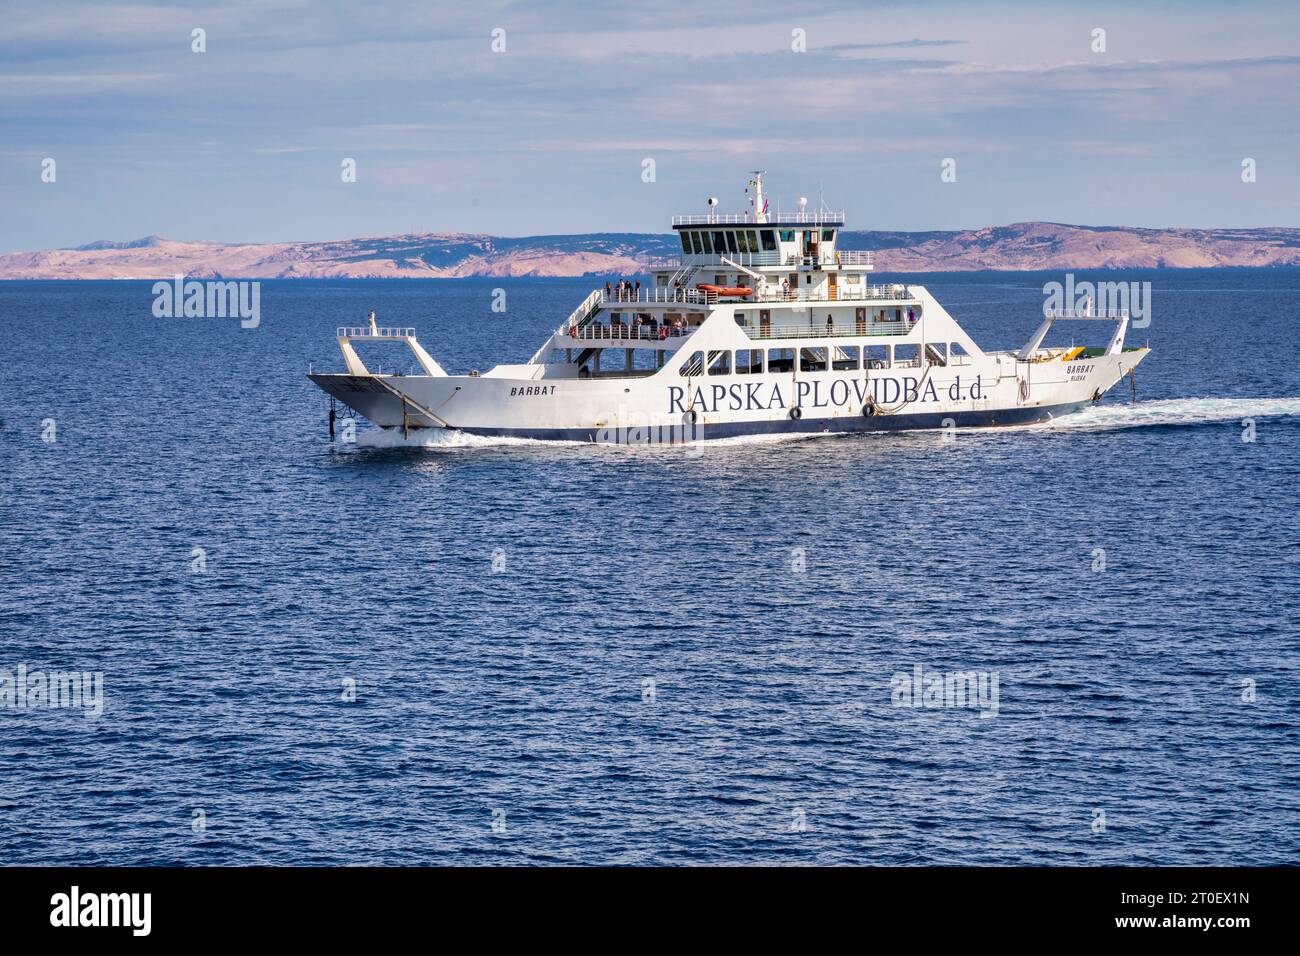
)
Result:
{"points": [[576, 654]]}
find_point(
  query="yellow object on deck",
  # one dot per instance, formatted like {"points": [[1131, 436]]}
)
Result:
{"points": [[1072, 353]]}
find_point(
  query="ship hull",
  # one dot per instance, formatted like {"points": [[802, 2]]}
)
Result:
{"points": [[666, 407], [653, 434]]}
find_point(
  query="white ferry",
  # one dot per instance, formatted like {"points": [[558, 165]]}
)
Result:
{"points": [[760, 325]]}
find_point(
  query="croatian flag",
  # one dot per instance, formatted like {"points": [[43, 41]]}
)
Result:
{"points": [[764, 205]]}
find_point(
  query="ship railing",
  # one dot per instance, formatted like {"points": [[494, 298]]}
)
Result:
{"points": [[662, 295], [1085, 313], [764, 332], [583, 312], [621, 332], [659, 295], [848, 293], [382, 332], [845, 258], [707, 260], [817, 218]]}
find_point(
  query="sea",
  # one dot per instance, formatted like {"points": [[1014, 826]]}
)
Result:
{"points": [[1069, 644]]}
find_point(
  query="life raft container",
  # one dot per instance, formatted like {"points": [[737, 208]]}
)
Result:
{"points": [[729, 290]]}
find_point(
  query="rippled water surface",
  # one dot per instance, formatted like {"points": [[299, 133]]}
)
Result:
{"points": [[641, 656]]}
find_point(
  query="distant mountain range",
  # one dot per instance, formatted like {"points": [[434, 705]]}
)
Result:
{"points": [[1020, 246]]}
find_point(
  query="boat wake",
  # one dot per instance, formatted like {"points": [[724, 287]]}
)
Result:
{"points": [[1153, 414], [440, 438], [1174, 411], [443, 438]]}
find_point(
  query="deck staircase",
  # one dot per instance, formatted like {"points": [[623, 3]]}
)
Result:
{"points": [[683, 276]]}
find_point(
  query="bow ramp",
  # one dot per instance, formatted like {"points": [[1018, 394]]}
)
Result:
{"points": [[380, 397]]}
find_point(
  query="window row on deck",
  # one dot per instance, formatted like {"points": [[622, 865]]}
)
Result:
{"points": [[822, 358]]}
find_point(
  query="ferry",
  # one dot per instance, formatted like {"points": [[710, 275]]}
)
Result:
{"points": [[761, 325]]}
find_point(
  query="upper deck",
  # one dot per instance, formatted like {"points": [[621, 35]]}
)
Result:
{"points": [[758, 248]]}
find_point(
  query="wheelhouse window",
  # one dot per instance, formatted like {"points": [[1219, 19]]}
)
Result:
{"points": [[697, 243], [731, 242], [769, 240], [828, 235], [720, 363], [787, 235], [686, 242]]}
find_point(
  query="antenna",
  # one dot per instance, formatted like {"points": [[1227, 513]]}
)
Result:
{"points": [[759, 203]]}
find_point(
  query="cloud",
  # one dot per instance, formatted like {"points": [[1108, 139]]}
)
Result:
{"points": [[550, 135]]}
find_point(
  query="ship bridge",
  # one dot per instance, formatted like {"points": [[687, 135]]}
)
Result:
{"points": [[790, 255]]}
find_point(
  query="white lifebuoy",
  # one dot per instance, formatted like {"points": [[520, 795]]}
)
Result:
{"points": [[689, 416]]}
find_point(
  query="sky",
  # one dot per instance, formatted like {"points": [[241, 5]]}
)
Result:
{"points": [[613, 117]]}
